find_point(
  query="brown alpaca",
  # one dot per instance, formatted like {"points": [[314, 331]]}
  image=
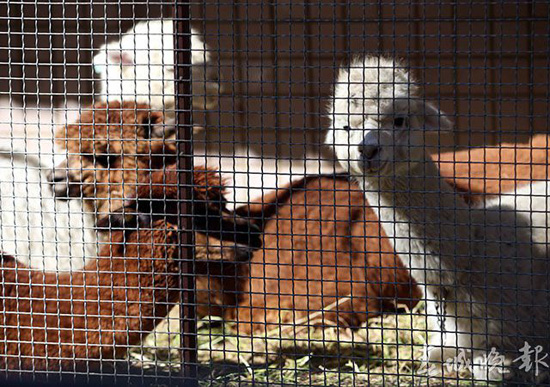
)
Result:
{"points": [[114, 148], [222, 239], [323, 250], [497, 169], [95, 147], [472, 172], [158, 194], [70, 321], [291, 278], [328, 216], [74, 320]]}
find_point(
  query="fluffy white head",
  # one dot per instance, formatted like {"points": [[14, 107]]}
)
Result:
{"points": [[378, 118], [140, 66]]}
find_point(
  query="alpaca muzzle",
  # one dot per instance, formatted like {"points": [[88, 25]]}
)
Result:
{"points": [[370, 150], [63, 183]]}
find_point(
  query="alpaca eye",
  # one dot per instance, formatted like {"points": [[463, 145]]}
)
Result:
{"points": [[400, 122], [104, 160]]}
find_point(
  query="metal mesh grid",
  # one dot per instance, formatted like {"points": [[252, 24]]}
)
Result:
{"points": [[266, 206]]}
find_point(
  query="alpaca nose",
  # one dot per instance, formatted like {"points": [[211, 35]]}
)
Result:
{"points": [[62, 186], [243, 253], [370, 150]]}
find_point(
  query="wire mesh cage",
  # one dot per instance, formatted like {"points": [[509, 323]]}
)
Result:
{"points": [[311, 193]]}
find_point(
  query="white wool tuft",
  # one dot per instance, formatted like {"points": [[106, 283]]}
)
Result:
{"points": [[36, 228], [140, 66]]}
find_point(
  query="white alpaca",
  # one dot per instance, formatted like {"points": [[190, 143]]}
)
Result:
{"points": [[35, 228], [140, 66], [484, 270]]}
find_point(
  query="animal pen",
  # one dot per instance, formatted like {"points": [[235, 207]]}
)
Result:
{"points": [[302, 193]]}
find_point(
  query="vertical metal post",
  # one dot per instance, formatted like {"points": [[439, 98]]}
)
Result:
{"points": [[182, 62]]}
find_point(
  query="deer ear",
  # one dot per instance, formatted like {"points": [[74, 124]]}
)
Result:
{"points": [[435, 119]]}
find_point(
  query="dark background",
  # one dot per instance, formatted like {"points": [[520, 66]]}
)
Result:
{"points": [[487, 63]]}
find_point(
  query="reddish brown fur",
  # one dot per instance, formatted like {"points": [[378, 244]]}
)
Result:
{"points": [[322, 246], [492, 170], [116, 149], [143, 289], [219, 282], [153, 180], [338, 220], [208, 185], [220, 265], [61, 321], [473, 172], [208, 201], [96, 144]]}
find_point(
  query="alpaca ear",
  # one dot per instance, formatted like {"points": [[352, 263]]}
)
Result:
{"points": [[100, 61], [120, 57], [435, 119], [153, 124], [106, 57]]}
